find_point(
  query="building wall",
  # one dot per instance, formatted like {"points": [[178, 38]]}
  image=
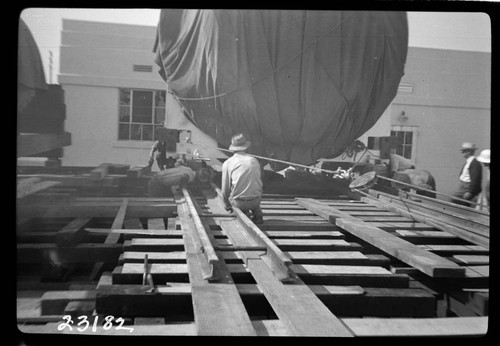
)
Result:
{"points": [[449, 102], [444, 94], [96, 60]]}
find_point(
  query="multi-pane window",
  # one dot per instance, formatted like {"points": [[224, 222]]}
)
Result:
{"points": [[406, 136], [140, 113]]}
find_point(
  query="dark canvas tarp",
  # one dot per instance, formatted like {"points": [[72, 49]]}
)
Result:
{"points": [[301, 85], [30, 75]]}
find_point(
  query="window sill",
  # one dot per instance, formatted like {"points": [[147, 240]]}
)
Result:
{"points": [[133, 144]]}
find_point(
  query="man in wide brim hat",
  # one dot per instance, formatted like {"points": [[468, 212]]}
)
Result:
{"points": [[470, 176], [239, 143], [241, 180], [467, 146]]}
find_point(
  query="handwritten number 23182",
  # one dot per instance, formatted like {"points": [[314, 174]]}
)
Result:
{"points": [[84, 323]]}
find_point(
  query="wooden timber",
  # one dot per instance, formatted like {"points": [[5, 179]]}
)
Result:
{"points": [[337, 277], [29, 144], [432, 265]]}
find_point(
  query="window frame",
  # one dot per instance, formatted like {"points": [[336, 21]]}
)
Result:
{"points": [[129, 123], [414, 133]]}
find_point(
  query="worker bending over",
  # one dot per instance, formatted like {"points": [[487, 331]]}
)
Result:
{"points": [[241, 180]]}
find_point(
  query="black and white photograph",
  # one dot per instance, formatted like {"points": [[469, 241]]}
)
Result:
{"points": [[189, 172]]}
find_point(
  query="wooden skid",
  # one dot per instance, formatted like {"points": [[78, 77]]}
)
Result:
{"points": [[316, 267]]}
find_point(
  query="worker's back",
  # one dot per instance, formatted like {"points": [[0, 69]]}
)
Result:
{"points": [[245, 175]]}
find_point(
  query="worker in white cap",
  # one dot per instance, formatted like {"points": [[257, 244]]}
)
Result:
{"points": [[484, 197], [470, 176]]}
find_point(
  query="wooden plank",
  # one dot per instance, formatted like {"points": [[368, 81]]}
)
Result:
{"points": [[80, 253], [270, 328], [383, 218], [311, 255], [128, 234], [312, 244], [111, 238], [156, 224], [427, 262], [296, 305], [29, 144], [104, 211], [407, 327], [430, 237], [132, 223], [171, 329], [124, 300], [208, 250], [455, 220], [100, 171], [276, 225], [472, 259], [171, 223], [449, 207], [230, 317], [455, 249], [54, 302], [29, 186], [481, 270], [286, 212], [304, 234], [154, 257], [138, 171], [314, 269], [154, 244], [148, 321], [79, 308], [248, 234], [72, 233]]}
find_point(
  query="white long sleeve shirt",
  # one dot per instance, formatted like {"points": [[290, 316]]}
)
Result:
{"points": [[241, 177], [465, 176]]}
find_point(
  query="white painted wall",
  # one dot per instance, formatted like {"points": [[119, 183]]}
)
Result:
{"points": [[96, 60]]}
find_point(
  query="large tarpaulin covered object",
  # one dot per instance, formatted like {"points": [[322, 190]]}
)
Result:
{"points": [[30, 75], [301, 85]]}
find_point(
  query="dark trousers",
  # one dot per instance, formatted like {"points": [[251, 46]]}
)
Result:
{"points": [[252, 205], [462, 189]]}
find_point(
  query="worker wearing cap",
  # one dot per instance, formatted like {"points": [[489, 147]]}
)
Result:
{"points": [[241, 180], [470, 176], [484, 197]]}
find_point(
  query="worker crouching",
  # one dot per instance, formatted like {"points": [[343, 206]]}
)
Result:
{"points": [[241, 184]]}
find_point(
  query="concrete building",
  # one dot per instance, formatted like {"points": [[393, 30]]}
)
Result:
{"points": [[114, 95], [107, 72]]}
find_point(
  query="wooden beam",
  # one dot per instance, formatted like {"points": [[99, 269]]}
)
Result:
{"points": [[296, 305], [298, 308], [411, 327], [80, 253], [463, 233], [111, 238], [29, 186], [72, 233], [275, 258], [100, 171], [138, 171], [29, 144], [218, 308], [427, 262], [54, 302], [206, 246], [469, 223]]}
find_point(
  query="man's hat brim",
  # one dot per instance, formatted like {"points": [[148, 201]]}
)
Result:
{"points": [[240, 147]]}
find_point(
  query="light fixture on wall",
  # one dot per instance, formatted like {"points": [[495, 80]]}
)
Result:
{"points": [[403, 117]]}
